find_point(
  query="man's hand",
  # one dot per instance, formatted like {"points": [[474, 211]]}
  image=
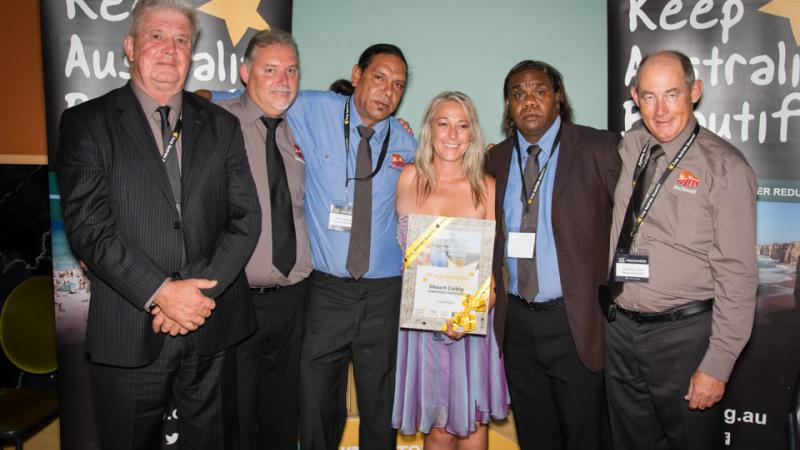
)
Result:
{"points": [[704, 391], [182, 302], [163, 324], [406, 125], [205, 93]]}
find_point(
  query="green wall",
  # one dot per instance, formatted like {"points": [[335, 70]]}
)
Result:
{"points": [[466, 45]]}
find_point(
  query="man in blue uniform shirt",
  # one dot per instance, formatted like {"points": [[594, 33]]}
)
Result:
{"points": [[354, 152]]}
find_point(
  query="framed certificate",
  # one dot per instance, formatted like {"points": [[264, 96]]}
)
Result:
{"points": [[447, 276]]}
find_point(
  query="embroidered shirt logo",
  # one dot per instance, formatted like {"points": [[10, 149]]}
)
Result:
{"points": [[298, 153], [397, 161], [688, 179], [687, 182]]}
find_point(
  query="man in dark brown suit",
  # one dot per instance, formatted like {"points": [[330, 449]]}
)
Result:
{"points": [[555, 186]]}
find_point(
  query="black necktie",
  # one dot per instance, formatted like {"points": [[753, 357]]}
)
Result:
{"points": [[527, 278], [361, 229], [284, 241], [171, 161], [640, 190]]}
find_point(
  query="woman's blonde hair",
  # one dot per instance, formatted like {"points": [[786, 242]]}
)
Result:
{"points": [[473, 157]]}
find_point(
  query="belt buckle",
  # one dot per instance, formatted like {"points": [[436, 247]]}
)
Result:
{"points": [[261, 290], [549, 305]]}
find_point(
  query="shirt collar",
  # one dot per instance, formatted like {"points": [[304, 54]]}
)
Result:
{"points": [[546, 141], [251, 111], [149, 104]]}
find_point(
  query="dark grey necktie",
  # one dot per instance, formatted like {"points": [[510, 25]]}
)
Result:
{"points": [[171, 164], [640, 190], [284, 242], [171, 161], [361, 229], [527, 278]]}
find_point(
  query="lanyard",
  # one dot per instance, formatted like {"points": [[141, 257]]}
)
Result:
{"points": [[654, 191], [527, 199], [173, 138], [384, 148]]}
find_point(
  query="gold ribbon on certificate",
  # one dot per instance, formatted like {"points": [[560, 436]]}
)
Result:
{"points": [[446, 261], [464, 320], [413, 250]]}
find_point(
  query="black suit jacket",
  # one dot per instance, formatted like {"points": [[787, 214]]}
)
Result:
{"points": [[121, 220], [586, 176]]}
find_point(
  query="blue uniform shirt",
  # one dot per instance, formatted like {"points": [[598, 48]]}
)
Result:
{"points": [[546, 255], [317, 122], [217, 96]]}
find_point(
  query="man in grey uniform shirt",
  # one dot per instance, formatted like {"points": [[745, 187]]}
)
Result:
{"points": [[684, 272], [268, 361]]}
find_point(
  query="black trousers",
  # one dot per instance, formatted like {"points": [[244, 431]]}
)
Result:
{"points": [[347, 319], [648, 367], [557, 402], [268, 367], [130, 403]]}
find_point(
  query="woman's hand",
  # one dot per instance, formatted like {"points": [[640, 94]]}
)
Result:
{"points": [[451, 332]]}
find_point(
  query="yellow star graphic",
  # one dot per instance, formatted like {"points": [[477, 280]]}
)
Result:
{"points": [[786, 8], [239, 15]]}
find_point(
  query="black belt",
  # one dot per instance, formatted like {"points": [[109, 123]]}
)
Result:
{"points": [[681, 312], [264, 289], [541, 306], [327, 276]]}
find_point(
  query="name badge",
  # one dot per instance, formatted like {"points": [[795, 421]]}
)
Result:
{"points": [[521, 245], [632, 267], [341, 217]]}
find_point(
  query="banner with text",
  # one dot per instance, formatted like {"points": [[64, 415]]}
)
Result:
{"points": [[746, 53], [83, 58]]}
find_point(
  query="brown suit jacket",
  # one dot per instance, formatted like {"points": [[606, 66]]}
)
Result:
{"points": [[586, 176]]}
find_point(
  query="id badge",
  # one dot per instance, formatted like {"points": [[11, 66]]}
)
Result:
{"points": [[341, 217], [521, 245], [632, 267]]}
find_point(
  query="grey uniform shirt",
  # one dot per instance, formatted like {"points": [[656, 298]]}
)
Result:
{"points": [[700, 236], [259, 270], [150, 106]]}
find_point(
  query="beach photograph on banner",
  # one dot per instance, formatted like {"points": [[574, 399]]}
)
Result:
{"points": [[447, 274]]}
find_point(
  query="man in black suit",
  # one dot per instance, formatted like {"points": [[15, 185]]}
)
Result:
{"points": [[555, 185], [159, 203]]}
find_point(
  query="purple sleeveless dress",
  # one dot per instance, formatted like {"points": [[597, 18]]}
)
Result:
{"points": [[444, 383]]}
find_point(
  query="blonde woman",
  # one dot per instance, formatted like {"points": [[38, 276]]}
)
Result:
{"points": [[448, 385]]}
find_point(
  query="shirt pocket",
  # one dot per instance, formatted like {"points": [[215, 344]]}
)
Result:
{"points": [[672, 217], [688, 212]]}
